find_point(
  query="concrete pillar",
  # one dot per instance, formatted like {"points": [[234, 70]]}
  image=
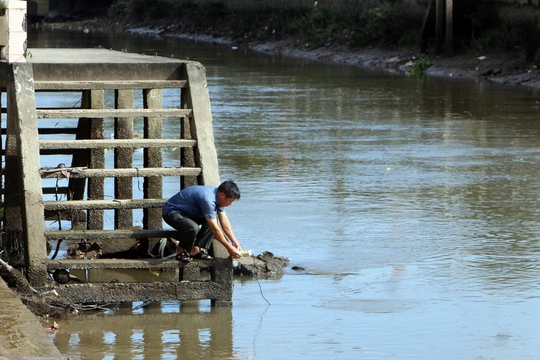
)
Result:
{"points": [[13, 30], [94, 99], [198, 99], [123, 158], [153, 185], [22, 125]]}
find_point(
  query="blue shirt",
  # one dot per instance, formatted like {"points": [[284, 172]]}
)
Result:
{"points": [[195, 202]]}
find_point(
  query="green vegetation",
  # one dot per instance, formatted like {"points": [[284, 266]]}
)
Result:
{"points": [[505, 29], [418, 67], [380, 24], [377, 23]]}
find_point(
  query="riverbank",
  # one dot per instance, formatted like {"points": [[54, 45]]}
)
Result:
{"points": [[510, 68], [22, 335]]}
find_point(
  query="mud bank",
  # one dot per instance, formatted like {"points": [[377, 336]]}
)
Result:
{"points": [[22, 335], [510, 68]]}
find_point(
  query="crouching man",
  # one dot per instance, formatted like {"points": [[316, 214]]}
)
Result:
{"points": [[195, 212]]}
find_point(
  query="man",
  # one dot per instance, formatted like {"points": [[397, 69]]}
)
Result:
{"points": [[202, 206]]}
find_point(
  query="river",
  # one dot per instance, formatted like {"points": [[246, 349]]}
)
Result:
{"points": [[411, 202]]}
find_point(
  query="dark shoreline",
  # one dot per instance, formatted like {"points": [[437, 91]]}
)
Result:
{"points": [[509, 68]]}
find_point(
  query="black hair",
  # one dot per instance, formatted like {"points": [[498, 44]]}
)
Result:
{"points": [[230, 189]]}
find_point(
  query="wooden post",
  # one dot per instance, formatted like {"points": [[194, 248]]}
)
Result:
{"points": [[439, 25], [22, 124], [449, 27], [123, 158], [153, 186], [198, 100]]}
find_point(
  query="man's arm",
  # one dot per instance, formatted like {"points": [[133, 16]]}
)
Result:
{"points": [[218, 234], [227, 229]]}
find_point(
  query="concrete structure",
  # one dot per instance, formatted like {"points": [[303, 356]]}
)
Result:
{"points": [[13, 30], [31, 136]]}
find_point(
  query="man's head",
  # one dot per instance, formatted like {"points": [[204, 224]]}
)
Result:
{"points": [[228, 192]]}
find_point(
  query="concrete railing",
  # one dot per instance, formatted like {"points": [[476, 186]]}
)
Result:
{"points": [[13, 30]]}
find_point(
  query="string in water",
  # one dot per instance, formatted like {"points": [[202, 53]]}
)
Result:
{"points": [[258, 282]]}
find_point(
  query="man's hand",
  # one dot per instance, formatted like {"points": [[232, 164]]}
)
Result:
{"points": [[235, 253], [237, 245]]}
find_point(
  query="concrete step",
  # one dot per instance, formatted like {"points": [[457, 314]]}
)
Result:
{"points": [[109, 85], [82, 264], [81, 173], [116, 144], [129, 292], [92, 235], [104, 204], [49, 131], [110, 113]]}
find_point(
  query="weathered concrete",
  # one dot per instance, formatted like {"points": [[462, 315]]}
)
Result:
{"points": [[197, 98], [123, 158], [21, 334], [153, 129], [91, 71], [22, 130], [101, 65]]}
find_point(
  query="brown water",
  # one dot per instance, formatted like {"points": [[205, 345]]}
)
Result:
{"points": [[413, 204]]}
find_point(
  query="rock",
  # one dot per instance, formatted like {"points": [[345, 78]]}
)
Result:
{"points": [[264, 264], [61, 276], [487, 72], [391, 60]]}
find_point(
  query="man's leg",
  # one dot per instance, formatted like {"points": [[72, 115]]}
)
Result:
{"points": [[187, 228], [204, 237]]}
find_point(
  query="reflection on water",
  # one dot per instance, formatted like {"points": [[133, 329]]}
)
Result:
{"points": [[411, 202], [193, 332]]}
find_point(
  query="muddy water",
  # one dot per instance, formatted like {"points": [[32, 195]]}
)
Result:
{"points": [[412, 204]]}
